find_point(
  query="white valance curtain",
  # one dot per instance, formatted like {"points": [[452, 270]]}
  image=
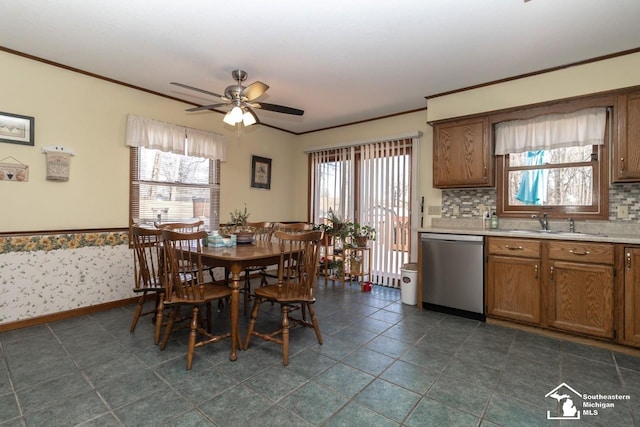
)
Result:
{"points": [[584, 127], [154, 134]]}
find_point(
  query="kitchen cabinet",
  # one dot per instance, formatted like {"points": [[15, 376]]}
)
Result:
{"points": [[581, 287], [626, 155], [462, 154], [513, 279], [632, 296], [557, 284]]}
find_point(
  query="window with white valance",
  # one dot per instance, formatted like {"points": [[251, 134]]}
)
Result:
{"points": [[149, 133], [175, 172], [554, 164], [578, 129]]}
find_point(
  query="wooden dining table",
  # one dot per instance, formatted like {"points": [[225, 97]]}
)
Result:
{"points": [[236, 259]]}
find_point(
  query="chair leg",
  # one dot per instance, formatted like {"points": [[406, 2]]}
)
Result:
{"points": [[285, 334], [159, 319], [314, 322], [169, 328], [138, 312], [192, 337], [252, 322]]}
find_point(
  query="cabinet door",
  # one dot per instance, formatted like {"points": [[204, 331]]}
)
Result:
{"points": [[513, 288], [626, 157], [581, 298], [632, 296], [462, 154]]}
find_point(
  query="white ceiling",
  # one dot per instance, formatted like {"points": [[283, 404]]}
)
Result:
{"points": [[341, 61]]}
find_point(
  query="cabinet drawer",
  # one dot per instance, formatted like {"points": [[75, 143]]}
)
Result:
{"points": [[601, 253], [514, 247]]}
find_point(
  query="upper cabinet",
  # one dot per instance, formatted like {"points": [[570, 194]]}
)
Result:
{"points": [[626, 150], [462, 154]]}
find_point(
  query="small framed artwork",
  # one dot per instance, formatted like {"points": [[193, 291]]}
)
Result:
{"points": [[16, 129], [260, 172]]}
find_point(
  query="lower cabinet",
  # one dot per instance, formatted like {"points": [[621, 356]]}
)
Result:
{"points": [[581, 290], [513, 275], [632, 296], [562, 285]]}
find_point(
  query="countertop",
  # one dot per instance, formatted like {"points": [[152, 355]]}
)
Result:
{"points": [[594, 233]]}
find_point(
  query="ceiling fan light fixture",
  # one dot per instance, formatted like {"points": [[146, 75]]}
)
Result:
{"points": [[228, 119], [248, 119], [236, 114]]}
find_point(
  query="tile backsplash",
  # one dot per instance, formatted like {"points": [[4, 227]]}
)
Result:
{"points": [[467, 201]]}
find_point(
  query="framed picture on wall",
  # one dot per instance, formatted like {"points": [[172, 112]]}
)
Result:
{"points": [[260, 172], [16, 129]]}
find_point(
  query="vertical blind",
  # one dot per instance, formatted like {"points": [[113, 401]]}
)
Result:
{"points": [[371, 184]]}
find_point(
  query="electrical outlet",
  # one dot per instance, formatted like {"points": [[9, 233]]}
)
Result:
{"points": [[623, 212], [481, 210], [434, 210], [456, 211]]}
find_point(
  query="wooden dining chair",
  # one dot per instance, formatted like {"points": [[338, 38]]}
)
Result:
{"points": [[185, 287], [294, 290], [291, 227], [185, 227], [147, 271], [263, 232]]}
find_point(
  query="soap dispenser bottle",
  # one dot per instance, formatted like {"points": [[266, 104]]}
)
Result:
{"points": [[494, 221]]}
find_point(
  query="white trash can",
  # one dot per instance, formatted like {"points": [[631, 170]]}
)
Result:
{"points": [[409, 283]]}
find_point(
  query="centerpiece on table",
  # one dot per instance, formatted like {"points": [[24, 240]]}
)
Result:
{"points": [[244, 233]]}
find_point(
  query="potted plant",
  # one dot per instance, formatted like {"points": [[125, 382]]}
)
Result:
{"points": [[361, 234], [336, 223], [328, 232], [239, 222]]}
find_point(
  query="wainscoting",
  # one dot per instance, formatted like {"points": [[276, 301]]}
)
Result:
{"points": [[43, 274]]}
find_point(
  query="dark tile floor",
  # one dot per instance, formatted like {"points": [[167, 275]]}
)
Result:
{"points": [[382, 364]]}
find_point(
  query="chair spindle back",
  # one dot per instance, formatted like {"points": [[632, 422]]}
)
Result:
{"points": [[148, 259], [184, 264], [299, 254]]}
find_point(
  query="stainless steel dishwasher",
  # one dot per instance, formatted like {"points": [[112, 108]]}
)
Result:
{"points": [[453, 274]]}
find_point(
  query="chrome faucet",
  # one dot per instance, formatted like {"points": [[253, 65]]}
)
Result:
{"points": [[544, 222]]}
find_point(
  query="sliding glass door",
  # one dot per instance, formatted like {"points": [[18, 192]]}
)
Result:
{"points": [[370, 184]]}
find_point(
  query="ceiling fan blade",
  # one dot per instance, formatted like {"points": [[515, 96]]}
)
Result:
{"points": [[254, 90], [207, 107], [197, 90], [278, 108]]}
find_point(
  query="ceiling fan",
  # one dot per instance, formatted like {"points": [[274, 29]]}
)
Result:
{"points": [[243, 100]]}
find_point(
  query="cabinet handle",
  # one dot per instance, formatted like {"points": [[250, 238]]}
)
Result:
{"points": [[513, 248], [628, 261], [551, 271], [579, 253], [535, 269], [621, 164]]}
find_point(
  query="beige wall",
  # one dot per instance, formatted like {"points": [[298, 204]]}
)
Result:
{"points": [[376, 131], [584, 79], [88, 115]]}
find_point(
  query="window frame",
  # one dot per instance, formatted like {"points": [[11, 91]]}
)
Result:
{"points": [[134, 188], [599, 209]]}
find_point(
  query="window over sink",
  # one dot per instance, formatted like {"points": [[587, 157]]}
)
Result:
{"points": [[554, 164]]}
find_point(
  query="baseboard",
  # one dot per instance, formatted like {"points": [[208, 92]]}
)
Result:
{"points": [[33, 321]]}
